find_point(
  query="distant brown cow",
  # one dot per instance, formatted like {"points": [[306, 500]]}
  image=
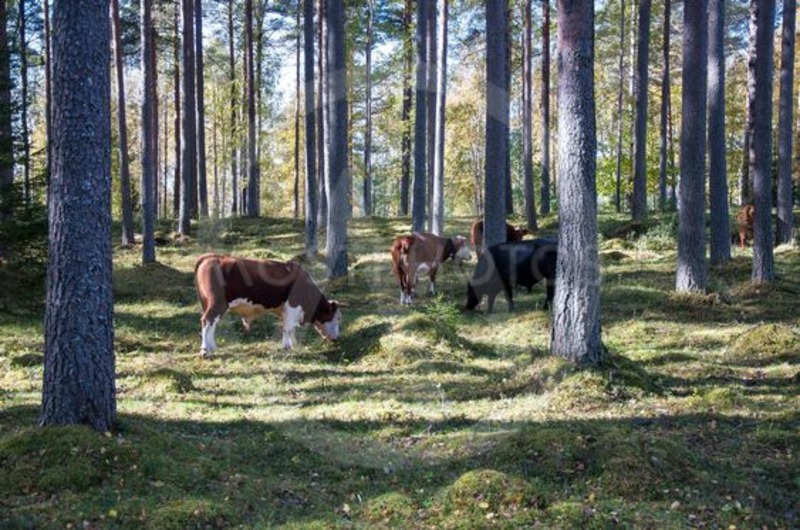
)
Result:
{"points": [[513, 235], [745, 219], [251, 288], [422, 254]]}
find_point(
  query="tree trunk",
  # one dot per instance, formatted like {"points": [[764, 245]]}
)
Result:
{"points": [[420, 122], [665, 104], [215, 212], [367, 198], [338, 208], [762, 16], [545, 183], [78, 383], [156, 165], [253, 185], [509, 194], [23, 74], [620, 115], [312, 244], [48, 91], [189, 154], [296, 190], [527, 117], [202, 178], [124, 171], [234, 131], [408, 64], [692, 274], [176, 81], [639, 206], [717, 167], [785, 119], [6, 130], [437, 214], [576, 310], [497, 116], [149, 133], [164, 187], [430, 111], [322, 121]]}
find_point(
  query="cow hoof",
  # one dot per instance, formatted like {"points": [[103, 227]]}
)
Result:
{"points": [[205, 354]]}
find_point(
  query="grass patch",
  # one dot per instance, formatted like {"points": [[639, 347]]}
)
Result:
{"points": [[766, 344]]}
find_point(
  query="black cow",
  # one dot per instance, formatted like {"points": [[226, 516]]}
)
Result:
{"points": [[508, 264]]}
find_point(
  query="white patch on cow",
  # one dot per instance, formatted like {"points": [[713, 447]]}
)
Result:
{"points": [[423, 269], [463, 254], [330, 329], [208, 345], [432, 287], [292, 317]]}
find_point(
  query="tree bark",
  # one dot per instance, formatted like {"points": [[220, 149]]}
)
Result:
{"points": [[497, 116], [338, 209], [408, 64], [312, 244], [149, 133], [124, 170], [23, 74], [576, 308], [234, 131], [620, 115], [48, 91], [639, 206], [176, 82], [296, 190], [322, 121], [665, 104], [78, 383], [420, 122], [202, 174], [692, 273], [545, 183], [189, 154], [762, 16], [6, 130], [527, 117], [253, 184], [437, 224], [430, 111], [717, 166], [785, 118], [367, 190]]}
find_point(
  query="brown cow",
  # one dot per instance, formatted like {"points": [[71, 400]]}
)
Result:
{"points": [[513, 235], [745, 219], [422, 254], [251, 288]]}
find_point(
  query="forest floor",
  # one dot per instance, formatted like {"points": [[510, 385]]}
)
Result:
{"points": [[421, 416]]}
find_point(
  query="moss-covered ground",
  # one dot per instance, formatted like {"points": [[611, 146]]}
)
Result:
{"points": [[422, 416]]}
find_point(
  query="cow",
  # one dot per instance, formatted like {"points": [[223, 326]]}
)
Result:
{"points": [[505, 265], [250, 288], [744, 219], [421, 254], [513, 234]]}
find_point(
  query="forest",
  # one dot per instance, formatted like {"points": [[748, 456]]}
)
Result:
{"points": [[639, 158]]}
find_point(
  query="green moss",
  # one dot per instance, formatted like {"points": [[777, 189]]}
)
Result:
{"points": [[390, 510], [169, 380], [486, 491], [765, 344], [27, 360], [189, 514]]}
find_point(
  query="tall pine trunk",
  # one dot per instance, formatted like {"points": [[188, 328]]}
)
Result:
{"points": [[527, 117], [176, 95], [762, 16], [234, 131], [149, 133], [6, 130], [23, 75], [122, 124], [420, 122], [692, 273], [312, 244], [497, 115], [338, 208], [48, 91], [322, 121], [253, 187], [437, 214], [296, 190], [430, 111], [545, 182], [189, 126], [367, 189], [202, 176], [639, 206], [620, 115], [665, 104], [78, 383], [405, 142], [717, 167], [785, 119], [576, 307]]}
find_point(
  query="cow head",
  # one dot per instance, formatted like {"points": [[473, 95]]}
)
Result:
{"points": [[461, 252], [327, 320]]}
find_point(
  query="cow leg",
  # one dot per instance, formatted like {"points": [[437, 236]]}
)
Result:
{"points": [[292, 317], [509, 292], [742, 239], [208, 325], [551, 291], [490, 302], [432, 284]]}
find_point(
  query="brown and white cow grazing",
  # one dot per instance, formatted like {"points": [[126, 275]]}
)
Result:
{"points": [[513, 235], [250, 288], [745, 219], [422, 254]]}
